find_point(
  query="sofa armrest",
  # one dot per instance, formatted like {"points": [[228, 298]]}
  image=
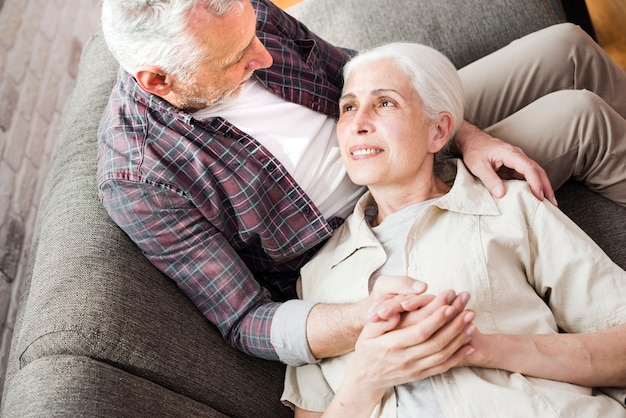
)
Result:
{"points": [[90, 293], [84, 387]]}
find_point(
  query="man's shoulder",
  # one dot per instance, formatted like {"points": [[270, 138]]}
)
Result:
{"points": [[123, 107], [125, 129], [123, 121]]}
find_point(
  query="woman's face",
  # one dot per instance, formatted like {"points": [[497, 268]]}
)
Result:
{"points": [[383, 134]]}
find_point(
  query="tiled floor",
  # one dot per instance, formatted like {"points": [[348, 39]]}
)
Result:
{"points": [[40, 45]]}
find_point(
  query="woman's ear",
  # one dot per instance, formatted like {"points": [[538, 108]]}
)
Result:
{"points": [[442, 127], [153, 80]]}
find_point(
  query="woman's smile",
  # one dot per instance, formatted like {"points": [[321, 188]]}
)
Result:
{"points": [[365, 151]]}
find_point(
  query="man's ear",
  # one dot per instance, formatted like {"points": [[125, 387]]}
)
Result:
{"points": [[442, 128], [154, 80]]}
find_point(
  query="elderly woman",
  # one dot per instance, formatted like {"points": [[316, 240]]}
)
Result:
{"points": [[546, 319]]}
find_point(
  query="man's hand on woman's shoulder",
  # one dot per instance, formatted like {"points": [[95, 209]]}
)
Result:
{"points": [[491, 160]]}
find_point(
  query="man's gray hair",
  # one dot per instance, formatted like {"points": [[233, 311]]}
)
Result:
{"points": [[433, 76], [155, 32]]}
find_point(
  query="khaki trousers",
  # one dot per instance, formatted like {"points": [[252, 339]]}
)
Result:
{"points": [[560, 98]]}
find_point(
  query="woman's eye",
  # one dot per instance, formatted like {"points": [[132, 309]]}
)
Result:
{"points": [[387, 103], [347, 108]]}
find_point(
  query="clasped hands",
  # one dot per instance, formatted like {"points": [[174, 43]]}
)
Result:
{"points": [[411, 336]]}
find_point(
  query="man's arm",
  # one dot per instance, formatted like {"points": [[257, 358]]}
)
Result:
{"points": [[181, 243], [333, 330], [488, 158]]}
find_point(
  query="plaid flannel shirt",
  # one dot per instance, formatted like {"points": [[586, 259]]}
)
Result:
{"points": [[206, 203]]}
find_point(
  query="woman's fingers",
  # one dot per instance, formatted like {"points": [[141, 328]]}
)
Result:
{"points": [[419, 306], [376, 329], [400, 355], [399, 304], [433, 331], [411, 337]]}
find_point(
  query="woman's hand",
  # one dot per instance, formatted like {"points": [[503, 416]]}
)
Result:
{"points": [[489, 159], [417, 336], [412, 345], [386, 306]]}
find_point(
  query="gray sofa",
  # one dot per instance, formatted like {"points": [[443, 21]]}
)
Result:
{"points": [[100, 332]]}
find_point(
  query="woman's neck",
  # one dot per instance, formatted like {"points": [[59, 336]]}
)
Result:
{"points": [[390, 200]]}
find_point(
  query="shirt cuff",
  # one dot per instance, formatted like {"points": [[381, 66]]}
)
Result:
{"points": [[288, 334]]}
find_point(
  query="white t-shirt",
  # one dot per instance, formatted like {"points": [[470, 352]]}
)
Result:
{"points": [[416, 398], [303, 140]]}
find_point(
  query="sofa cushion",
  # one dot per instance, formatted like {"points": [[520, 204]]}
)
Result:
{"points": [[463, 30]]}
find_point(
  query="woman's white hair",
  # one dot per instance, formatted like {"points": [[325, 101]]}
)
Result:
{"points": [[432, 74], [155, 32]]}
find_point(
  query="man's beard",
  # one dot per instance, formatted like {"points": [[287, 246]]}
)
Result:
{"points": [[193, 98]]}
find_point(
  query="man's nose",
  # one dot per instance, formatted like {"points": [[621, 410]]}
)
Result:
{"points": [[262, 57]]}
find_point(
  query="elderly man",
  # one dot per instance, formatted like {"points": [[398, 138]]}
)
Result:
{"points": [[218, 157]]}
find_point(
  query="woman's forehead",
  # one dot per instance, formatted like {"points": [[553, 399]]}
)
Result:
{"points": [[379, 75]]}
